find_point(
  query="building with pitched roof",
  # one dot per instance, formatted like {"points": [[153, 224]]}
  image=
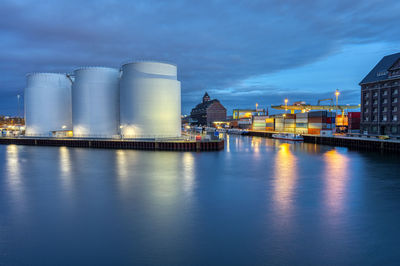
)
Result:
{"points": [[380, 105], [208, 111]]}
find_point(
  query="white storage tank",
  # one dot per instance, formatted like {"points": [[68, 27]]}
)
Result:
{"points": [[150, 100], [95, 102], [47, 100]]}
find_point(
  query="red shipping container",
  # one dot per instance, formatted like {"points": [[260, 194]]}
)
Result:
{"points": [[354, 115], [329, 120]]}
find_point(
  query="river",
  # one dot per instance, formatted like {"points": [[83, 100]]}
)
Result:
{"points": [[258, 202]]}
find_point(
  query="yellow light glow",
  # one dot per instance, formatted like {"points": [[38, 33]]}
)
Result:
{"points": [[336, 177], [285, 175]]}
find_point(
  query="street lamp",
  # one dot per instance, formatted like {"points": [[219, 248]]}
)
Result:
{"points": [[18, 96], [337, 96], [286, 101]]}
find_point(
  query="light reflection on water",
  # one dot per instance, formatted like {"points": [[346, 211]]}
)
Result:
{"points": [[285, 176], [335, 178], [261, 201], [15, 185]]}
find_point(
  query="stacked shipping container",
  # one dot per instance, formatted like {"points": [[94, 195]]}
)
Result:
{"points": [[279, 123], [259, 122], [302, 123], [269, 124], [290, 123], [320, 120], [354, 122]]}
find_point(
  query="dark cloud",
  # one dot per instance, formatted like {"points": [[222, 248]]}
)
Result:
{"points": [[216, 44]]}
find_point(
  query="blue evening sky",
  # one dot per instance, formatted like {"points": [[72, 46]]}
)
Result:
{"points": [[241, 52]]}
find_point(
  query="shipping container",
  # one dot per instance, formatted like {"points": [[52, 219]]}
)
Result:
{"points": [[301, 120], [290, 116], [315, 119], [354, 115], [316, 125], [314, 131], [301, 115], [303, 125], [290, 121], [317, 114]]}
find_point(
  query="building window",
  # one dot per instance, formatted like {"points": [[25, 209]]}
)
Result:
{"points": [[366, 102], [394, 100], [384, 101], [384, 118], [381, 73], [374, 118], [394, 109], [375, 110], [394, 129], [374, 129], [384, 92], [394, 118], [375, 94], [375, 102], [395, 91], [366, 118], [384, 109]]}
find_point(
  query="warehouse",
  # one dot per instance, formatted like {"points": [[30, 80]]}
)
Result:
{"points": [[208, 111], [380, 105]]}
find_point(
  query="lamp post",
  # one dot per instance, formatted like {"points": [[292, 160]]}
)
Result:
{"points": [[286, 101], [18, 96], [337, 99]]}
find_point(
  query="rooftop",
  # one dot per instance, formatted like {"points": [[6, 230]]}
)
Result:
{"points": [[380, 71]]}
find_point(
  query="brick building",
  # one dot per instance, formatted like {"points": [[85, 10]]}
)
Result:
{"points": [[208, 111], [380, 103]]}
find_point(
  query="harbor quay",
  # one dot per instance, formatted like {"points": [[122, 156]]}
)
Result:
{"points": [[356, 141], [150, 145]]}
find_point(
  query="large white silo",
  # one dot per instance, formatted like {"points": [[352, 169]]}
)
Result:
{"points": [[95, 102], [47, 100], [150, 100]]}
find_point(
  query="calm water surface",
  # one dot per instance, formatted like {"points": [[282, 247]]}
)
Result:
{"points": [[259, 202]]}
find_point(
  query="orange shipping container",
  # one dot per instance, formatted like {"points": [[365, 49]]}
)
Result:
{"points": [[314, 131]]}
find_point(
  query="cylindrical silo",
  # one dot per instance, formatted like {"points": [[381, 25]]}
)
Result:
{"points": [[47, 99], [95, 102], [150, 100]]}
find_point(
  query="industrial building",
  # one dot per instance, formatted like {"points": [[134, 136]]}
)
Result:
{"points": [[142, 100], [208, 111], [380, 105]]}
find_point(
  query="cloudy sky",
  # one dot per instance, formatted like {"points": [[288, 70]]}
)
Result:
{"points": [[241, 52]]}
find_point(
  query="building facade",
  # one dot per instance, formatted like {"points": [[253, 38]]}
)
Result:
{"points": [[380, 103], [208, 111]]}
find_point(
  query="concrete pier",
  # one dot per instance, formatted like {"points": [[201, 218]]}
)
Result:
{"points": [[152, 145], [359, 143]]}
